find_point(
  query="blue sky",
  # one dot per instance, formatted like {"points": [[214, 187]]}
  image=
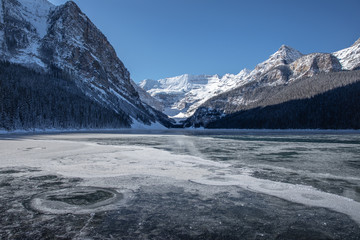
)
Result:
{"points": [[165, 38]]}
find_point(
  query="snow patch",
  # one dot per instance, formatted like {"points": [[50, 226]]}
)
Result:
{"points": [[29, 56], [349, 57], [295, 193], [153, 126], [36, 13]]}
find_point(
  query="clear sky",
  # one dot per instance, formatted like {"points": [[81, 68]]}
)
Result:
{"points": [[166, 38]]}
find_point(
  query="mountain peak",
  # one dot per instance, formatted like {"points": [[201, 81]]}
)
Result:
{"points": [[285, 55], [356, 43], [288, 52], [285, 47], [71, 4], [244, 72]]}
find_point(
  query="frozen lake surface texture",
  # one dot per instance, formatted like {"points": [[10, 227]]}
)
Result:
{"points": [[180, 185]]}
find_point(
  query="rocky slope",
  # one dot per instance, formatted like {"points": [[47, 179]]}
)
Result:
{"points": [[145, 97], [36, 34]]}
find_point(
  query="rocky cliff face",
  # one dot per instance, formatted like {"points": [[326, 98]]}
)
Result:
{"points": [[39, 35], [145, 97], [23, 24], [312, 64], [74, 43]]}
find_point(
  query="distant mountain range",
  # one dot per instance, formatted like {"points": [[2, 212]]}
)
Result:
{"points": [[180, 96], [61, 40], [286, 75]]}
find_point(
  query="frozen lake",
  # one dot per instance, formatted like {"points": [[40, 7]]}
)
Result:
{"points": [[180, 185]]}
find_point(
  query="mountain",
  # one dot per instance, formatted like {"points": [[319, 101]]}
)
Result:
{"points": [[285, 55], [145, 97], [206, 98], [182, 95], [276, 81], [48, 39], [350, 57], [337, 108]]}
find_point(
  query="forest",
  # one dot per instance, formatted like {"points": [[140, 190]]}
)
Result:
{"points": [[335, 109], [33, 100]]}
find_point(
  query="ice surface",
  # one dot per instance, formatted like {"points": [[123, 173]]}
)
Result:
{"points": [[102, 165], [294, 193]]}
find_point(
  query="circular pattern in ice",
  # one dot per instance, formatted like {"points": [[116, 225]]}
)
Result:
{"points": [[79, 200]]}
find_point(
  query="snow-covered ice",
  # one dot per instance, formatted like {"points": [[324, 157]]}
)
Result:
{"points": [[101, 162]]}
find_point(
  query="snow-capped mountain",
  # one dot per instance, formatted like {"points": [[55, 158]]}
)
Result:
{"points": [[278, 80], [39, 35], [182, 95], [350, 57], [285, 55]]}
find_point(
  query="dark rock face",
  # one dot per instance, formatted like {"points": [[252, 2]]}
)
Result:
{"points": [[147, 98], [74, 43]]}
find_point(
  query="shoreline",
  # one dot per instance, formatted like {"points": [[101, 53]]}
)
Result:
{"points": [[177, 131]]}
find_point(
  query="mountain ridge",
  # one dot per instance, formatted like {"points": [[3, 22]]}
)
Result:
{"points": [[282, 67], [181, 100]]}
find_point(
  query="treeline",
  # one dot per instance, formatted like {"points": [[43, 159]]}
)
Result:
{"points": [[335, 109], [29, 100]]}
